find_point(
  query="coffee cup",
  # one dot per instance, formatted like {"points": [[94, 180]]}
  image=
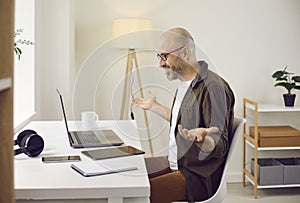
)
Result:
{"points": [[89, 120]]}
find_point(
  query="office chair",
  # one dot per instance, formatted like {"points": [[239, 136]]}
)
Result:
{"points": [[222, 189]]}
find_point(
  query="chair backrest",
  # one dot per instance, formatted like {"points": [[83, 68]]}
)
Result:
{"points": [[222, 190]]}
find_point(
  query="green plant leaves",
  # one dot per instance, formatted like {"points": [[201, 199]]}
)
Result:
{"points": [[296, 78], [278, 74], [18, 52], [17, 49], [287, 86], [288, 82]]}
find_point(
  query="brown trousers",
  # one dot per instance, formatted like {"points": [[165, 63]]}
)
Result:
{"points": [[165, 185]]}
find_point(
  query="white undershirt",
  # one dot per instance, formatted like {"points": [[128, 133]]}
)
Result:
{"points": [[181, 90]]}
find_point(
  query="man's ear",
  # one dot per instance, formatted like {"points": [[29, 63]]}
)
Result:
{"points": [[186, 53]]}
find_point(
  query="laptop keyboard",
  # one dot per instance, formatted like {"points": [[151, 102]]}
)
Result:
{"points": [[86, 138]]}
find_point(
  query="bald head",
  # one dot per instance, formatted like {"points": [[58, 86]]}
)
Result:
{"points": [[181, 34], [175, 38]]}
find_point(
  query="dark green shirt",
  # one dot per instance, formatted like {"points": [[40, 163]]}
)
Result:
{"points": [[208, 102]]}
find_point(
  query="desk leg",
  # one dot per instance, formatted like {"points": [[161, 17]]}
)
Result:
{"points": [[115, 200]]}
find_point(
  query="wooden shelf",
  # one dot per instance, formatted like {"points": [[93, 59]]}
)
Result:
{"points": [[272, 186], [268, 108], [272, 148], [253, 141], [5, 83]]}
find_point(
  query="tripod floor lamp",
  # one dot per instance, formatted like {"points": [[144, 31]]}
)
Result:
{"points": [[130, 34]]}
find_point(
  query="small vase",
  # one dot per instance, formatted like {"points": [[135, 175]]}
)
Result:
{"points": [[289, 99]]}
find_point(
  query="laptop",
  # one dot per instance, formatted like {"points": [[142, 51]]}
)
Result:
{"points": [[86, 139]]}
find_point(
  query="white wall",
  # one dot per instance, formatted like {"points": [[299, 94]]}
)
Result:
{"points": [[24, 84], [54, 56], [245, 40]]}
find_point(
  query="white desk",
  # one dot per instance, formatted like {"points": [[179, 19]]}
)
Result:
{"points": [[35, 180]]}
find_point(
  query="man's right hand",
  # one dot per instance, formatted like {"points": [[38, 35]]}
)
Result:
{"points": [[151, 104], [145, 104]]}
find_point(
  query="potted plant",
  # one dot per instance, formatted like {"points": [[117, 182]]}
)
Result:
{"points": [[17, 49], [289, 82]]}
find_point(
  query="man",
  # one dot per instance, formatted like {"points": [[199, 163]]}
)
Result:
{"points": [[201, 120]]}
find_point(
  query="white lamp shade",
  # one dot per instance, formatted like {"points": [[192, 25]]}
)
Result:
{"points": [[132, 34]]}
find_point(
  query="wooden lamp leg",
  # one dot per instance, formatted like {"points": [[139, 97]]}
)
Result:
{"points": [[126, 92], [142, 96], [125, 98]]}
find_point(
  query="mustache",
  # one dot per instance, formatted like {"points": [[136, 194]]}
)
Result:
{"points": [[178, 70], [165, 66]]}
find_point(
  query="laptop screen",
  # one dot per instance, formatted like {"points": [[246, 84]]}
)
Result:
{"points": [[63, 109]]}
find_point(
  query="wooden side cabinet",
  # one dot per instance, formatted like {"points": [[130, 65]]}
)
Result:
{"points": [[6, 101], [253, 142]]}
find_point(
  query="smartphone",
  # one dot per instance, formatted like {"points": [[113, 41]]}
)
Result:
{"points": [[59, 159]]}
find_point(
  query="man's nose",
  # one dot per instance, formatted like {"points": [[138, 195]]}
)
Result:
{"points": [[162, 63]]}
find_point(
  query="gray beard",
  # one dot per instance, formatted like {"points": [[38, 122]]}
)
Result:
{"points": [[177, 71], [173, 76]]}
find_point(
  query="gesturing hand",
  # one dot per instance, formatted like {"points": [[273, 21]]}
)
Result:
{"points": [[145, 104], [200, 136]]}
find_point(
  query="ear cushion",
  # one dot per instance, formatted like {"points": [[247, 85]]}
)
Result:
{"points": [[22, 135], [33, 144]]}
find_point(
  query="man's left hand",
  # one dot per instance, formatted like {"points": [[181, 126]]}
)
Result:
{"points": [[200, 136]]}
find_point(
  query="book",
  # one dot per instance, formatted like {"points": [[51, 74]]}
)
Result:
{"points": [[94, 168]]}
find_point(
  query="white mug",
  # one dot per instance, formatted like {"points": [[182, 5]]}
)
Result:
{"points": [[89, 120]]}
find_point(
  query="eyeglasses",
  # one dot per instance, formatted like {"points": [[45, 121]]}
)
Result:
{"points": [[164, 56]]}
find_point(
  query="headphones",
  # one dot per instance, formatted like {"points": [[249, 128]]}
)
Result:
{"points": [[30, 143]]}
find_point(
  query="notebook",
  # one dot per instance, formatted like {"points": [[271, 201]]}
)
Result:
{"points": [[112, 152], [86, 139], [100, 168]]}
